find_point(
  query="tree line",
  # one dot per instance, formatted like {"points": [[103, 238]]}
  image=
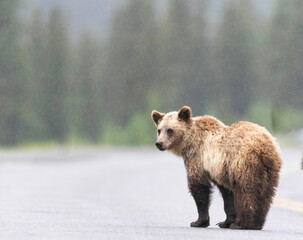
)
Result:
{"points": [[101, 89]]}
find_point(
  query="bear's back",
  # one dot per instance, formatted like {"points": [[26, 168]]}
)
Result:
{"points": [[237, 148], [247, 137], [249, 144]]}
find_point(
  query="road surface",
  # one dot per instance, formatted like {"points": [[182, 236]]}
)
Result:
{"points": [[99, 193]]}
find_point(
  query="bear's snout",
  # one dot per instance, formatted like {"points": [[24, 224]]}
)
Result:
{"points": [[159, 145]]}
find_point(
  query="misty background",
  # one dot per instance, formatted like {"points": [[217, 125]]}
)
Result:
{"points": [[83, 72]]}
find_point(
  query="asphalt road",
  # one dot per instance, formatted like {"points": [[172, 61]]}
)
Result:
{"points": [[124, 194]]}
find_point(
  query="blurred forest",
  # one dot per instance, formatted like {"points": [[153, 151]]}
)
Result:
{"points": [[55, 88]]}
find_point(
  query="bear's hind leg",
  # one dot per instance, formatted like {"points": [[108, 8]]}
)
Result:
{"points": [[254, 196], [253, 192], [229, 207], [266, 198], [261, 213], [245, 207], [201, 194], [252, 205]]}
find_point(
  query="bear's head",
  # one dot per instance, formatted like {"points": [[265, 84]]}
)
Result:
{"points": [[171, 128]]}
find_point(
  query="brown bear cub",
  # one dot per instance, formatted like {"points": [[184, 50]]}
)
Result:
{"points": [[243, 160]]}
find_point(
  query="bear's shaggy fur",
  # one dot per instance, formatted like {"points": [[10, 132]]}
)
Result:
{"points": [[243, 160]]}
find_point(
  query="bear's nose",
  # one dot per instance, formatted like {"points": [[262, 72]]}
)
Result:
{"points": [[159, 145]]}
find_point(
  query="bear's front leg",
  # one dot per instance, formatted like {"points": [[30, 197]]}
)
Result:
{"points": [[201, 194]]}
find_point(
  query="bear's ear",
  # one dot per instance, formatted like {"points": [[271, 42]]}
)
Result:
{"points": [[185, 113], [157, 116]]}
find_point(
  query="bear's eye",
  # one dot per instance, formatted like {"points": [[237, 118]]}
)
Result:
{"points": [[159, 131], [170, 132]]}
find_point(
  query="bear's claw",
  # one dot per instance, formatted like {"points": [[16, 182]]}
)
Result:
{"points": [[225, 224], [200, 223]]}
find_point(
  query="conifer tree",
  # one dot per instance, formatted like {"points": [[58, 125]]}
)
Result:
{"points": [[278, 56], [235, 58], [199, 85], [38, 60], [295, 64], [55, 86], [88, 92], [130, 60], [11, 82], [174, 46]]}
